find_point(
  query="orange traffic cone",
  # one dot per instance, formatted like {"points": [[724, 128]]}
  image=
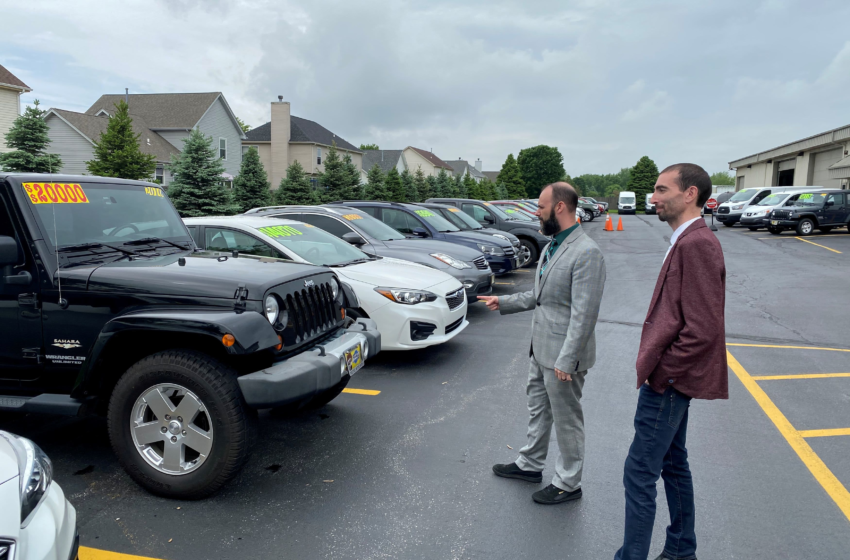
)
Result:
{"points": [[609, 225], [620, 225], [578, 220]]}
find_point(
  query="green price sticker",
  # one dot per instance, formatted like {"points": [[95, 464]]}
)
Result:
{"points": [[806, 196], [279, 231], [424, 213]]}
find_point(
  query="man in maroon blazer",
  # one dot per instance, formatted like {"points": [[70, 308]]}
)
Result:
{"points": [[682, 356]]}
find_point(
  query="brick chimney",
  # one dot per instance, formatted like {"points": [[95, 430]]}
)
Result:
{"points": [[280, 135]]}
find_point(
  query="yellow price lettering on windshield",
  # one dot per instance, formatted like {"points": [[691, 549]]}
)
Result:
{"points": [[423, 213], [279, 231], [454, 209], [154, 191], [55, 193], [509, 211], [352, 216]]}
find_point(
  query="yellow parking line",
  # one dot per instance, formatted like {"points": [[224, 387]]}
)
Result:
{"points": [[361, 392], [815, 464], [825, 433], [800, 376], [87, 553], [821, 246], [788, 347]]}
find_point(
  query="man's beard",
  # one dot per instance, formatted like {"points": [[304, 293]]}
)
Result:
{"points": [[669, 212], [550, 226]]}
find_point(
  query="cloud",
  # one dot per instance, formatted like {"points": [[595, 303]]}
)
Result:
{"points": [[658, 102]]}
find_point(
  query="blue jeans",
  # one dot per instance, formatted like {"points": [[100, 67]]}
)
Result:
{"points": [[661, 425]]}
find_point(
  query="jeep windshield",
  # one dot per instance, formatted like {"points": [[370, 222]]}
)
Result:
{"points": [[314, 245], [100, 215], [810, 199]]}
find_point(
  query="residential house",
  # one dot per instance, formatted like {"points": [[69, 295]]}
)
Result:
{"points": [[429, 163], [286, 139], [492, 175], [163, 119], [461, 168], [11, 89], [385, 159]]}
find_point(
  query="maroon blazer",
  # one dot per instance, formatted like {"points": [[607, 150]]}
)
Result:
{"points": [[683, 343]]}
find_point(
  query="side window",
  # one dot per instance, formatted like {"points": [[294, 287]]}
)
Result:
{"points": [[476, 212], [218, 239], [838, 198], [193, 231], [330, 225], [6, 227], [371, 210], [400, 221]]}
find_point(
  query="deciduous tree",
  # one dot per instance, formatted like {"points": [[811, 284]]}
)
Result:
{"points": [[540, 166], [642, 178]]}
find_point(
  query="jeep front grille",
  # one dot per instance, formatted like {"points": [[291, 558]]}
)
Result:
{"points": [[781, 214], [307, 311]]}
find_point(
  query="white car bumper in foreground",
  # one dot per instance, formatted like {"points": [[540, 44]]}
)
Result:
{"points": [[52, 531]]}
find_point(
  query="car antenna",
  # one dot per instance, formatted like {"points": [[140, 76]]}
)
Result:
{"points": [[63, 303]]}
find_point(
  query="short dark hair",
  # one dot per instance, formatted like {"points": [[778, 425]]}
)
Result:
{"points": [[692, 175], [564, 192]]}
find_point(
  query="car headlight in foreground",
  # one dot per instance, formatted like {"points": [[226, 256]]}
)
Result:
{"points": [[334, 287], [406, 296], [491, 250], [272, 308], [36, 474], [451, 261]]}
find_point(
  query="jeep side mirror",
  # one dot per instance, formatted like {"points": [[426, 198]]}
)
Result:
{"points": [[8, 251], [420, 232], [354, 239], [829, 203]]}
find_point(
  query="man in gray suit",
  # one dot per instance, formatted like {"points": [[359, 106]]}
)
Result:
{"points": [[565, 299]]}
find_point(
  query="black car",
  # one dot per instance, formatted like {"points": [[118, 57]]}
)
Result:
{"points": [[823, 209], [489, 215], [107, 307]]}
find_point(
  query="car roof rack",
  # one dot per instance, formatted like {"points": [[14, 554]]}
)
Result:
{"points": [[344, 202]]}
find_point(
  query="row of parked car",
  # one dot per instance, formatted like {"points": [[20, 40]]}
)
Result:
{"points": [[178, 331]]}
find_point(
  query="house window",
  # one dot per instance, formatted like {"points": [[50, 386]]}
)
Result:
{"points": [[160, 172], [222, 148], [318, 156]]}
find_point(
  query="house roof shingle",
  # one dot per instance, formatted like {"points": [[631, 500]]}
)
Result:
{"points": [[492, 175], [9, 79], [161, 110], [92, 127], [461, 165], [435, 161], [386, 159], [302, 130]]}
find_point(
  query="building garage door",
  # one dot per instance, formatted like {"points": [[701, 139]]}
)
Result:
{"points": [[821, 173]]}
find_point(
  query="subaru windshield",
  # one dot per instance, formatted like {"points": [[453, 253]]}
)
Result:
{"points": [[105, 215], [460, 218], [437, 222], [312, 244]]}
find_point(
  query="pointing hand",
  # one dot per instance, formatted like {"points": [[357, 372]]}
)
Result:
{"points": [[492, 302]]}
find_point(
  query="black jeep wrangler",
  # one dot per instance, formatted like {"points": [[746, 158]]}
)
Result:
{"points": [[822, 209], [107, 307]]}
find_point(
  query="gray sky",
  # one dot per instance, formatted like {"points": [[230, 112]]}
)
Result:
{"points": [[605, 81]]}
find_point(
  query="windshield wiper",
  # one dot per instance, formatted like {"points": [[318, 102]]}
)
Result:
{"points": [[147, 240], [89, 246], [355, 261]]}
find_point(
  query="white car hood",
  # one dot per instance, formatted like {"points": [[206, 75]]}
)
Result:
{"points": [[8, 461], [394, 273]]}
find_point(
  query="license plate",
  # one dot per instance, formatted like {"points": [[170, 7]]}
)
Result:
{"points": [[774, 222], [354, 359]]}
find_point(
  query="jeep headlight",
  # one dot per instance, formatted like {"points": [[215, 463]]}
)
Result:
{"points": [[35, 474], [334, 287], [451, 261], [491, 250], [406, 296], [272, 308]]}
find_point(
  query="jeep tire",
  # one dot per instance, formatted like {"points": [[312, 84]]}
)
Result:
{"points": [[189, 383], [805, 226]]}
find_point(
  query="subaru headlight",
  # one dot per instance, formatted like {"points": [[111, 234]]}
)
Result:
{"points": [[272, 308], [491, 250], [35, 473], [334, 287], [406, 296], [451, 261]]}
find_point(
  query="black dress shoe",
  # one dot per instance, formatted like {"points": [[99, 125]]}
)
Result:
{"points": [[554, 495], [511, 470], [663, 556]]}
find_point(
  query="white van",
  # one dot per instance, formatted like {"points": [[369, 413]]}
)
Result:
{"points": [[756, 215], [729, 213], [649, 207], [627, 203]]}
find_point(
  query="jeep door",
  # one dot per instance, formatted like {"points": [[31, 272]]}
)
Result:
{"points": [[834, 210]]}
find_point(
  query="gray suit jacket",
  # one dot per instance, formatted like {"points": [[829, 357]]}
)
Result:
{"points": [[565, 303]]}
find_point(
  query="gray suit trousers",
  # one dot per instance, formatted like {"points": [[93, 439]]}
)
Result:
{"points": [[550, 399]]}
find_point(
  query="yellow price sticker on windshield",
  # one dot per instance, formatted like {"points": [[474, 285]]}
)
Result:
{"points": [[309, 225], [454, 209], [55, 193], [424, 213], [487, 204], [352, 216], [154, 191], [279, 231]]}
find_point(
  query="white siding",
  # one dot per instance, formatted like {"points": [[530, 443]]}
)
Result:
{"points": [[823, 160], [218, 124], [174, 137], [72, 147], [9, 107]]}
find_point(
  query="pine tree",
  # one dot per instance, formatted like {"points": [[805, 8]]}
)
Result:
{"points": [[296, 187], [375, 189], [117, 153], [409, 186], [511, 176], [460, 186], [395, 186], [421, 184], [335, 179], [446, 184], [432, 187], [487, 189], [28, 137], [501, 191], [197, 188], [355, 189], [642, 178], [471, 187], [251, 186]]}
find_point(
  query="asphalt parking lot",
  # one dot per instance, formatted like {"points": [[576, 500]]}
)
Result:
{"points": [[402, 468]]}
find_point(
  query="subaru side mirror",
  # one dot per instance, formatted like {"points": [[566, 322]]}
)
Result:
{"points": [[420, 232], [354, 239]]}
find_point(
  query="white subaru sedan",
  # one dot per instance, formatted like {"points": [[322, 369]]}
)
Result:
{"points": [[36, 521], [414, 306]]}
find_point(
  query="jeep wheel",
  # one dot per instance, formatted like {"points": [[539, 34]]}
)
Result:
{"points": [[178, 424], [531, 247], [805, 227]]}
